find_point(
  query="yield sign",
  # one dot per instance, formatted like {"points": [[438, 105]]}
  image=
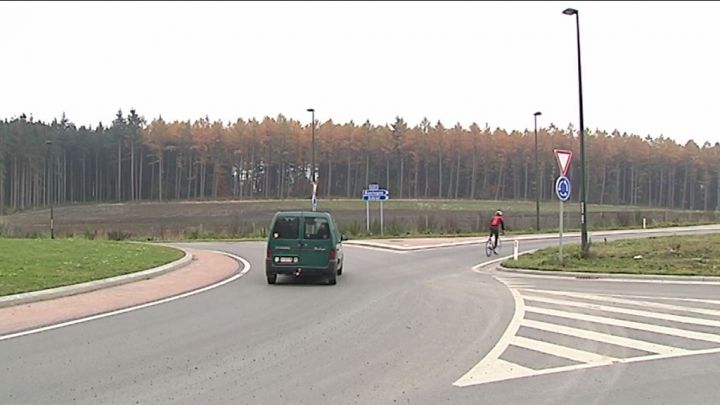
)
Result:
{"points": [[563, 157]]}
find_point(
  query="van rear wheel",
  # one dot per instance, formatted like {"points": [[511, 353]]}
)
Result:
{"points": [[271, 278], [331, 279]]}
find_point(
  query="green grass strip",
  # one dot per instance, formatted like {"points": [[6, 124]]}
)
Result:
{"points": [[36, 264], [697, 255]]}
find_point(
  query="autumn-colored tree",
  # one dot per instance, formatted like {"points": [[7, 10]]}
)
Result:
{"points": [[133, 160]]}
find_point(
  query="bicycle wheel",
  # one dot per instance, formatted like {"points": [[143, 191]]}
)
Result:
{"points": [[489, 247]]}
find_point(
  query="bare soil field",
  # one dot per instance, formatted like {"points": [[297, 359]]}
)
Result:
{"points": [[250, 218]]}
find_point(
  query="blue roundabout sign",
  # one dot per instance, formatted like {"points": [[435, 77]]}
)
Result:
{"points": [[562, 188]]}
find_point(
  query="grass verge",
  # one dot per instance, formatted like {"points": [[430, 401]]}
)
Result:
{"points": [[669, 255], [36, 264]]}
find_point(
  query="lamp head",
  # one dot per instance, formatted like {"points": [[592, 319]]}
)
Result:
{"points": [[570, 11]]}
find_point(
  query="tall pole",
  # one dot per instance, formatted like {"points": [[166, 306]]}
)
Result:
{"points": [[584, 247], [537, 178], [314, 181], [382, 228], [561, 231], [50, 190]]}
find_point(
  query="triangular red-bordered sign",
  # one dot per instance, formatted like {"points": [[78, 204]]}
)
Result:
{"points": [[563, 158]]}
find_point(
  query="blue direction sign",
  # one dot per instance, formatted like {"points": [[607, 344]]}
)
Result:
{"points": [[562, 188], [379, 194]]}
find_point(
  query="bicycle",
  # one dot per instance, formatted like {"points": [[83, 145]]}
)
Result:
{"points": [[489, 246]]}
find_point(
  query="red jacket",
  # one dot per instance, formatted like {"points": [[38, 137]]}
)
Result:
{"points": [[497, 222]]}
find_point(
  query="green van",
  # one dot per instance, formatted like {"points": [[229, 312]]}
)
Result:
{"points": [[303, 242]]}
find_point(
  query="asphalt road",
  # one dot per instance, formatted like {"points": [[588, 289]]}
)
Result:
{"points": [[399, 327]]}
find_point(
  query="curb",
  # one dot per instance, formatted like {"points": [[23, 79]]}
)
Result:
{"points": [[594, 276], [51, 293], [532, 237]]}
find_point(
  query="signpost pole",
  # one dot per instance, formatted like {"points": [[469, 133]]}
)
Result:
{"points": [[561, 231], [381, 219], [367, 215], [562, 188], [374, 193]]}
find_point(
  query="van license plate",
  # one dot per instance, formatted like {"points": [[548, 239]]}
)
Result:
{"points": [[286, 260]]}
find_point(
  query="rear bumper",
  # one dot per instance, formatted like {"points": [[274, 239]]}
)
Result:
{"points": [[271, 268]]}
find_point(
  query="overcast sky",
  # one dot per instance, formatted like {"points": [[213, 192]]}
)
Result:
{"points": [[649, 68]]}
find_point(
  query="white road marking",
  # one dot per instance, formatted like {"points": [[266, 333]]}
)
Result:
{"points": [[714, 302], [498, 370], [493, 368], [560, 351], [625, 311], [379, 249], [603, 337], [656, 298], [517, 373], [476, 268], [627, 324], [519, 285], [613, 299], [246, 268], [486, 366]]}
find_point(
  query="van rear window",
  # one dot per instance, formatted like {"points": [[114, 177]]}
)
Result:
{"points": [[317, 228], [286, 228]]}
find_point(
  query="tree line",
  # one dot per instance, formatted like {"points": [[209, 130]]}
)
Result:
{"points": [[136, 160]]}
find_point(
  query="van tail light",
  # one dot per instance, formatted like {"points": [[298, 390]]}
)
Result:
{"points": [[333, 254], [268, 253]]}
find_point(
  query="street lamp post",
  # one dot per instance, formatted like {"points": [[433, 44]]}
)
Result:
{"points": [[584, 246], [314, 182], [49, 192], [537, 178]]}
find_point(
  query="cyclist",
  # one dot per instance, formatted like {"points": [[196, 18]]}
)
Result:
{"points": [[496, 223]]}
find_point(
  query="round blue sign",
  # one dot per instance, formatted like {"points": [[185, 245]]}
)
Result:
{"points": [[562, 188]]}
